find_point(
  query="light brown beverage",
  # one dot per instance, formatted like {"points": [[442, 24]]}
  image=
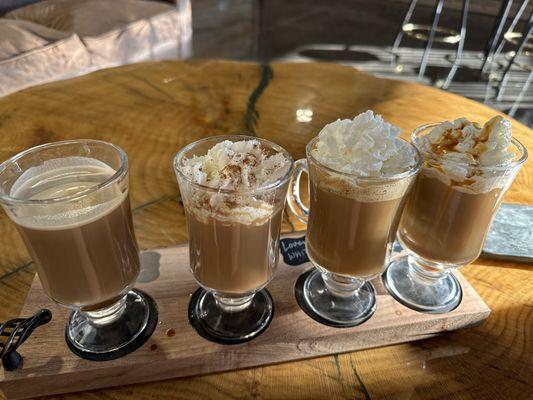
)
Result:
{"points": [[447, 224], [231, 257], [85, 257], [348, 236]]}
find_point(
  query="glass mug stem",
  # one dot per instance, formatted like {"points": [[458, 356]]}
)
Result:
{"points": [[106, 315], [233, 304], [341, 286], [425, 273], [421, 286]]}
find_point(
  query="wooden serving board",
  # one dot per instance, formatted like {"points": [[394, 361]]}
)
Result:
{"points": [[50, 368]]}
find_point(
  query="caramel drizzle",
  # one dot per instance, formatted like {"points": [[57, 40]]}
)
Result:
{"points": [[450, 139]]}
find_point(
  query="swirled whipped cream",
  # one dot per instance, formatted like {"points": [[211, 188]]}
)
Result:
{"points": [[239, 166], [365, 146], [459, 151]]}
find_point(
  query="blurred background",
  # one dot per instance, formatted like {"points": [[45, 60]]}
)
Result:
{"points": [[481, 49]]}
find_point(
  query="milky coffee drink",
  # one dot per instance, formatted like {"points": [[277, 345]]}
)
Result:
{"points": [[354, 213], [458, 190], [348, 236], [233, 233], [85, 251]]}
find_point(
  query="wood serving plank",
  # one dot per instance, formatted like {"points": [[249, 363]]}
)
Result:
{"points": [[50, 368]]}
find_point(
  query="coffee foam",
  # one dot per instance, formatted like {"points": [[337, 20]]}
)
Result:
{"points": [[44, 183], [460, 154], [53, 219], [472, 185], [366, 146], [246, 212], [366, 192]]}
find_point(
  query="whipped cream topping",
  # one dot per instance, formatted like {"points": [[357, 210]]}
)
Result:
{"points": [[457, 152], [467, 142], [239, 166], [365, 146]]}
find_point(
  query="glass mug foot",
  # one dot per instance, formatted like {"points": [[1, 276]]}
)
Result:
{"points": [[422, 290], [230, 321], [114, 331], [335, 303]]}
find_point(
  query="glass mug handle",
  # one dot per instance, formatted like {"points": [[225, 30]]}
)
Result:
{"points": [[298, 208]]}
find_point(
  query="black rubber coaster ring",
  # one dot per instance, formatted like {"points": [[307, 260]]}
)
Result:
{"points": [[299, 294], [198, 326], [153, 317]]}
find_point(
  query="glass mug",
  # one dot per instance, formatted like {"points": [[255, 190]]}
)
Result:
{"points": [[233, 254], [352, 223], [443, 227], [69, 201]]}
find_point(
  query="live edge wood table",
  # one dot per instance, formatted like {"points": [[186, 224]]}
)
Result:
{"points": [[152, 110]]}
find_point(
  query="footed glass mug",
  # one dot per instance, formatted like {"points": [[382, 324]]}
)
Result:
{"points": [[233, 247], [443, 227], [70, 203], [352, 223]]}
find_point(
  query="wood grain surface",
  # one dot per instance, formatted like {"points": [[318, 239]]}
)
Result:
{"points": [[51, 368], [153, 109]]}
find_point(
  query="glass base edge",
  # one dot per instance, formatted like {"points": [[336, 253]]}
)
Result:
{"points": [[130, 347]]}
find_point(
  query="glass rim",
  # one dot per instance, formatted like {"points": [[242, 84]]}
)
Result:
{"points": [[371, 179], [122, 171], [521, 148], [180, 155]]}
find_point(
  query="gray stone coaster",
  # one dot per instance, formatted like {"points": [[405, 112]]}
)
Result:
{"points": [[511, 234]]}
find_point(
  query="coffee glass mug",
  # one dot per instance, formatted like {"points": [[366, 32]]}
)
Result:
{"points": [[69, 201], [351, 225], [233, 247], [443, 227]]}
